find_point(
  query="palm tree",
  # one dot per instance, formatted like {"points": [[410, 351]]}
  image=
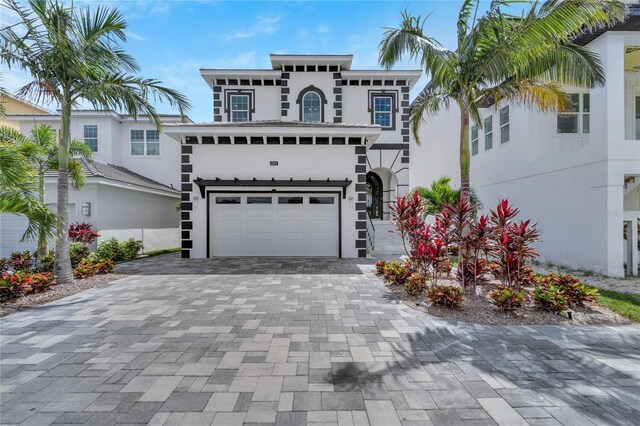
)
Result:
{"points": [[41, 149], [18, 192], [440, 193], [502, 57], [74, 55]]}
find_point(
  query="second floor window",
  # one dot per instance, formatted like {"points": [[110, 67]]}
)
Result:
{"points": [[145, 142], [474, 140], [504, 124], [91, 136], [382, 110], [576, 117], [488, 133], [239, 108], [311, 107]]}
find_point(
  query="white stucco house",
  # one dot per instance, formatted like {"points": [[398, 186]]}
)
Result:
{"points": [[576, 173], [284, 167], [132, 188]]}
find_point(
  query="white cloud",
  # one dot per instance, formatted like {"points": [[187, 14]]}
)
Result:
{"points": [[322, 29], [134, 36], [262, 25]]}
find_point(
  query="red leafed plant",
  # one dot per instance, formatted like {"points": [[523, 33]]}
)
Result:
{"points": [[513, 245], [406, 214], [20, 283], [82, 233]]}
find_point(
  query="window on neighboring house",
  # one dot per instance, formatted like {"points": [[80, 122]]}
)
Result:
{"points": [[91, 136], [488, 133], [145, 142], [239, 108], [311, 107], [153, 142], [504, 124], [576, 118], [474, 140], [382, 108]]}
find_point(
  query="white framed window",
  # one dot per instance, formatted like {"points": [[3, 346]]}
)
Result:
{"points": [[239, 108], [576, 118], [311, 107], [382, 108], [145, 142], [504, 124], [91, 136], [474, 140], [488, 133]]}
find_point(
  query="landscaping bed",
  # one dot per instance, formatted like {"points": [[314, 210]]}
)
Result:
{"points": [[480, 310], [56, 292]]}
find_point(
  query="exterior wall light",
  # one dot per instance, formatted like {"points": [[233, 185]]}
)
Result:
{"points": [[86, 209]]}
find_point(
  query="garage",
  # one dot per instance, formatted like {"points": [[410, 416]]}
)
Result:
{"points": [[268, 224]]}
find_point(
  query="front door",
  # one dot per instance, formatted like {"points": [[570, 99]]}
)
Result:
{"points": [[374, 195]]}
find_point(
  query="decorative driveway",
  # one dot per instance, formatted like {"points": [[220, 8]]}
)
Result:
{"points": [[298, 341]]}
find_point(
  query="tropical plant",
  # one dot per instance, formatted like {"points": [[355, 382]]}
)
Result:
{"points": [[396, 273], [82, 233], [74, 54], [21, 261], [117, 251], [21, 283], [380, 265], [440, 193], [445, 295], [576, 292], [18, 193], [415, 284], [41, 148], [506, 298], [77, 252], [550, 298], [406, 215], [501, 57]]}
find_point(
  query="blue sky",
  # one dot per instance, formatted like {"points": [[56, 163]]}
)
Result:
{"points": [[173, 39]]}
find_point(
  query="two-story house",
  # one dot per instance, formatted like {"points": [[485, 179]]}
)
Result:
{"points": [[575, 173], [294, 158], [132, 185]]}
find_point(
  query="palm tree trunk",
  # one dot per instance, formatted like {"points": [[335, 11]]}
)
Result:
{"points": [[464, 189], [42, 235], [465, 158], [63, 261]]}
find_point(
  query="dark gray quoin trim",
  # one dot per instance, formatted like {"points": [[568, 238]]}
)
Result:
{"points": [[361, 200], [186, 223]]}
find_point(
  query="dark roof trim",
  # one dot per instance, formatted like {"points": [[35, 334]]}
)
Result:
{"points": [[203, 183], [631, 23]]}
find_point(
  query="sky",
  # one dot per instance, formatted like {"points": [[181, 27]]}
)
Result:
{"points": [[172, 40]]}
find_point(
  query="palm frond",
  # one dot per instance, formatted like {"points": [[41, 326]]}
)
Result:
{"points": [[427, 103]]}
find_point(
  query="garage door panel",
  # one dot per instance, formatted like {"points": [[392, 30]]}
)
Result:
{"points": [[274, 225]]}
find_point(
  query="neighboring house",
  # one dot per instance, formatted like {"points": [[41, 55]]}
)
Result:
{"points": [[576, 173], [13, 105], [293, 158], [132, 183]]}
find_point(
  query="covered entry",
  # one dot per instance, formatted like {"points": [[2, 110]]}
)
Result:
{"points": [[274, 224]]}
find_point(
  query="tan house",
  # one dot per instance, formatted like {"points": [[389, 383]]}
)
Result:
{"points": [[14, 105]]}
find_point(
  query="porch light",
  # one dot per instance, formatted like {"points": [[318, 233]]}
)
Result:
{"points": [[86, 209]]}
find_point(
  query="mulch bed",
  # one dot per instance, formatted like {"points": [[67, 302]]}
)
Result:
{"points": [[57, 292], [480, 310]]}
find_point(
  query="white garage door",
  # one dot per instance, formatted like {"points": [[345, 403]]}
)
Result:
{"points": [[274, 225], [12, 228]]}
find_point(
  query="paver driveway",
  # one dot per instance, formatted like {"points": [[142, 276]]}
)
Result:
{"points": [[298, 341]]}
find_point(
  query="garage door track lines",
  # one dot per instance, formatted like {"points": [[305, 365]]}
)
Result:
{"points": [[317, 342]]}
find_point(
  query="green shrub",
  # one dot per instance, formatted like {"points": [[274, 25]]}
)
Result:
{"points": [[77, 252], [506, 298], [415, 284], [130, 249], [48, 261], [396, 273], [550, 298], [88, 268], [21, 283], [117, 251], [445, 295], [576, 292], [109, 250]]}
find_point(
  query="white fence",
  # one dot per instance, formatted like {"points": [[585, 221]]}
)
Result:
{"points": [[153, 239]]}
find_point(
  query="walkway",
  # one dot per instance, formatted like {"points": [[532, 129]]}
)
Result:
{"points": [[298, 341]]}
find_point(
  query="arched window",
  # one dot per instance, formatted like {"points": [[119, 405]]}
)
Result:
{"points": [[311, 107], [312, 101]]}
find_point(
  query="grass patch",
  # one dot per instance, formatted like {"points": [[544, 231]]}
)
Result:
{"points": [[626, 304], [163, 251]]}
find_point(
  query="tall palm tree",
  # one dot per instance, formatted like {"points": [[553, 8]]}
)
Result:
{"points": [[502, 57], [18, 192], [41, 149], [74, 55]]}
